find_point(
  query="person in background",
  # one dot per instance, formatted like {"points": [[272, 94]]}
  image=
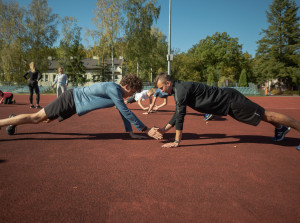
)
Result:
{"points": [[61, 81], [142, 96], [7, 98], [33, 76], [158, 93]]}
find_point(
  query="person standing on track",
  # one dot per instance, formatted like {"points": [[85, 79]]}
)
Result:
{"points": [[218, 101], [34, 76], [61, 80], [80, 101]]}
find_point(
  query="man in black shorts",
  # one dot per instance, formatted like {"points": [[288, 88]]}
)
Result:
{"points": [[80, 101], [218, 101]]}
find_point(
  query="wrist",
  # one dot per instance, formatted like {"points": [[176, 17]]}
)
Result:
{"points": [[144, 129]]}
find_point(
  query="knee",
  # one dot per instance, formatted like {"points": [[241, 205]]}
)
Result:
{"points": [[38, 117], [269, 116]]}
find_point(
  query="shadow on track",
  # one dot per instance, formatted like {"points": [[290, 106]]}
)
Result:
{"points": [[208, 139]]}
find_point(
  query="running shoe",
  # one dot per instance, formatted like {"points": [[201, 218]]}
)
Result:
{"points": [[38, 106], [280, 133], [208, 117], [31, 106]]}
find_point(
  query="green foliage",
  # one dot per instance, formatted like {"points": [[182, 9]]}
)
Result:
{"points": [[12, 37], [140, 17], [41, 33], [243, 79], [210, 79], [70, 51], [278, 54]]}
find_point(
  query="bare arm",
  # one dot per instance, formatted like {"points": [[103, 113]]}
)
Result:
{"points": [[163, 104], [140, 104], [152, 105]]}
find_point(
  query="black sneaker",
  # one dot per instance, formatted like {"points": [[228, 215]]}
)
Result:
{"points": [[280, 133], [10, 130], [38, 106], [31, 106]]}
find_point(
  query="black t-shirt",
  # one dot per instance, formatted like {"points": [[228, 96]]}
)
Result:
{"points": [[200, 97]]}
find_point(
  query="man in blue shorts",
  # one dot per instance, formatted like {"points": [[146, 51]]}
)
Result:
{"points": [[218, 101], [83, 100]]}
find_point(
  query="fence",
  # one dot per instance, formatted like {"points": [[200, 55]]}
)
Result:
{"points": [[23, 89]]}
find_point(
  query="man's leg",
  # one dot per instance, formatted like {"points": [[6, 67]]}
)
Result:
{"points": [[58, 90], [283, 123], [34, 118], [278, 119]]}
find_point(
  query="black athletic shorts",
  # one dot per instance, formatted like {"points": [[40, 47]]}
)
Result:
{"points": [[245, 110], [62, 108]]}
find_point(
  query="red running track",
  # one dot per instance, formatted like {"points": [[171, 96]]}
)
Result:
{"points": [[86, 169]]}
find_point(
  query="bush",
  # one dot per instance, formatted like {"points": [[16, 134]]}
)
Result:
{"points": [[275, 92]]}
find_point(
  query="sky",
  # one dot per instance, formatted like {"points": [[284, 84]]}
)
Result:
{"points": [[191, 20]]}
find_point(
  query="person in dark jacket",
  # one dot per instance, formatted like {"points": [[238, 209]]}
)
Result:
{"points": [[218, 101], [33, 76]]}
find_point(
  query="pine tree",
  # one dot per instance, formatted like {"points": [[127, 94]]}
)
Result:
{"points": [[243, 79], [278, 55]]}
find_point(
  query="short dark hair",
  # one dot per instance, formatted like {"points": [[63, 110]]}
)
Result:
{"points": [[163, 77], [133, 82]]}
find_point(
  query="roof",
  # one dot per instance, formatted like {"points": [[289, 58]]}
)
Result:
{"points": [[89, 63]]}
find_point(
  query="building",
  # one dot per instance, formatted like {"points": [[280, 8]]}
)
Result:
{"points": [[93, 70]]}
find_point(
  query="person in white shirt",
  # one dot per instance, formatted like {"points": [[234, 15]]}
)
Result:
{"points": [[142, 96], [61, 80]]}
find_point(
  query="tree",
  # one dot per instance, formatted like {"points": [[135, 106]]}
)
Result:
{"points": [[12, 32], [156, 62], [108, 20], [243, 79], [278, 55], [41, 26], [70, 52], [219, 52], [140, 17], [210, 79]]}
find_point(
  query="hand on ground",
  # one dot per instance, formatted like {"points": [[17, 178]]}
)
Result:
{"points": [[170, 145], [154, 133]]}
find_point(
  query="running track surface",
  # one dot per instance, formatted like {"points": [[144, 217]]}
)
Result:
{"points": [[86, 169]]}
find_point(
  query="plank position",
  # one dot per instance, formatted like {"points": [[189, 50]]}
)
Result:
{"points": [[80, 101], [218, 101]]}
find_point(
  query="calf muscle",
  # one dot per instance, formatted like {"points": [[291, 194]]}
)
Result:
{"points": [[34, 118]]}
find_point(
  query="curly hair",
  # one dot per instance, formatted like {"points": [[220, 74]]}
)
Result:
{"points": [[133, 82]]}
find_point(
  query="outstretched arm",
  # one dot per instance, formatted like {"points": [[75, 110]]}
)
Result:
{"points": [[152, 105], [162, 105], [140, 104]]}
